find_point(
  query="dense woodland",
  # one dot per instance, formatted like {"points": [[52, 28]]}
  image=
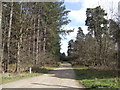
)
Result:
{"points": [[31, 37], [100, 47], [30, 34]]}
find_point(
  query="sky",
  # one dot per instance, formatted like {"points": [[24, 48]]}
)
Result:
{"points": [[78, 16]]}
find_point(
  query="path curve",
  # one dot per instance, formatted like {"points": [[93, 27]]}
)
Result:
{"points": [[63, 77]]}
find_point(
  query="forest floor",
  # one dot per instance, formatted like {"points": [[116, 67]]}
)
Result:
{"points": [[62, 77]]}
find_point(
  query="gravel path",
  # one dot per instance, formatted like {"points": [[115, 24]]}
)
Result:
{"points": [[62, 77]]}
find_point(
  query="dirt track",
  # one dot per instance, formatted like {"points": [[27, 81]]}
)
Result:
{"points": [[62, 77]]}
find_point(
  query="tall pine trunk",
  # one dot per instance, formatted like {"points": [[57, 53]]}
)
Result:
{"points": [[19, 43], [1, 49], [19, 52], [34, 43], [118, 54], [37, 47], [9, 36], [38, 39], [18, 58], [44, 40]]}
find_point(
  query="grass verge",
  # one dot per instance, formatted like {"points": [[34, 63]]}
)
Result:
{"points": [[14, 77], [6, 79], [92, 78]]}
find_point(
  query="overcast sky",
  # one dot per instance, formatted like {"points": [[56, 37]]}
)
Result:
{"points": [[78, 15]]}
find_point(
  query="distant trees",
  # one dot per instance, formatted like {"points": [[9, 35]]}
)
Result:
{"points": [[31, 33], [97, 48], [63, 57]]}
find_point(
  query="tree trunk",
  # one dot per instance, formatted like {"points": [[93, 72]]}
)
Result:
{"points": [[1, 49], [44, 40], [9, 35], [19, 43], [37, 47], [118, 54], [18, 53], [18, 58], [29, 46], [38, 39], [34, 43]]}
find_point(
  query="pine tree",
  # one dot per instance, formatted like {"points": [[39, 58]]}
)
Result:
{"points": [[97, 25], [31, 33]]}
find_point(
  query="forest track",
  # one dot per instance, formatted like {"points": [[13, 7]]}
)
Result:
{"points": [[62, 77]]}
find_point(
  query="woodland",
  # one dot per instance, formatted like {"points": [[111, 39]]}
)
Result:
{"points": [[31, 37]]}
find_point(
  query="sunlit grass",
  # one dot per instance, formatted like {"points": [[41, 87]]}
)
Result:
{"points": [[92, 78], [6, 79]]}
